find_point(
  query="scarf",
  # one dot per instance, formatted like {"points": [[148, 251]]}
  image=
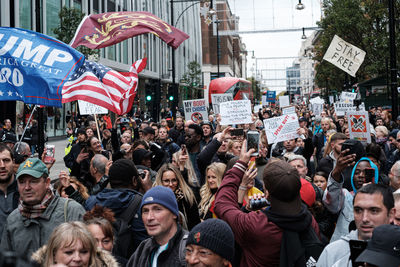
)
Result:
{"points": [[37, 210]]}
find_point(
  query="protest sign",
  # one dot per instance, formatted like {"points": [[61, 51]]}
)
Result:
{"points": [[235, 112], [281, 128], [344, 55], [288, 110], [317, 108], [348, 97], [217, 99], [317, 100], [86, 108], [195, 110], [256, 108], [271, 96], [359, 126], [331, 99], [284, 101], [35, 66], [341, 108], [264, 100]]}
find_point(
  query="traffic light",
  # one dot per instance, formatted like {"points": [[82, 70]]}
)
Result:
{"points": [[171, 98], [148, 97]]}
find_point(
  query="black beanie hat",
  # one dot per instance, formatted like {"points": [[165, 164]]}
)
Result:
{"points": [[215, 235], [121, 173]]}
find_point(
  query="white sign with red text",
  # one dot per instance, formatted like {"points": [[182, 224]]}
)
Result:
{"points": [[281, 128]]}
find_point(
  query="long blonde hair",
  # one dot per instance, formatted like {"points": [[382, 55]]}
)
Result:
{"points": [[192, 178], [187, 192], [206, 195], [65, 235]]}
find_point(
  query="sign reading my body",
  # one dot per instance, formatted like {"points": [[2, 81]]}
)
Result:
{"points": [[195, 106]]}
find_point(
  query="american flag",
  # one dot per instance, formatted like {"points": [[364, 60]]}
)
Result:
{"points": [[100, 85]]}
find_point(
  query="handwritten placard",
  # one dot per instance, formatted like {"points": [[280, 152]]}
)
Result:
{"points": [[288, 110], [86, 108], [281, 128], [235, 112], [217, 99]]}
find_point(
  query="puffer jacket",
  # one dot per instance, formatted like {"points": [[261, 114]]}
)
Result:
{"points": [[169, 257], [103, 258], [25, 235]]}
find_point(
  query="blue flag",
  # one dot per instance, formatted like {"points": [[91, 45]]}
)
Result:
{"points": [[34, 66], [271, 96]]}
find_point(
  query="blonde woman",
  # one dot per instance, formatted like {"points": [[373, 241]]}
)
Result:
{"points": [[214, 174], [180, 160], [169, 176], [71, 244]]}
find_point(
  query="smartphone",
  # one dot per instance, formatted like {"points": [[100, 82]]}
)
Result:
{"points": [[183, 148], [356, 248], [49, 157], [348, 146], [369, 175], [237, 132], [253, 141]]}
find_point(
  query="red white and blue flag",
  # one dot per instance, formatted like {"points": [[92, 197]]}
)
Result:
{"points": [[103, 86]]}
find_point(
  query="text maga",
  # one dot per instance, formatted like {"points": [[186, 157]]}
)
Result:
{"points": [[344, 55]]}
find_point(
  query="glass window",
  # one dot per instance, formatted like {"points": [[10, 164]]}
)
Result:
{"points": [[52, 20], [25, 18], [78, 4]]}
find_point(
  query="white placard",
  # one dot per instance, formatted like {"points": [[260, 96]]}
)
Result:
{"points": [[288, 110], [235, 112], [317, 108], [331, 99], [281, 128], [344, 55], [264, 100], [347, 97], [256, 108], [317, 100], [217, 99], [359, 126], [341, 108], [195, 110], [284, 101], [86, 108]]}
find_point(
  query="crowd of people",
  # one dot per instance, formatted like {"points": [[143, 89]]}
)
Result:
{"points": [[136, 192]]}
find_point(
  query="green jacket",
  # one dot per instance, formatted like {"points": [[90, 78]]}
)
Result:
{"points": [[24, 236]]}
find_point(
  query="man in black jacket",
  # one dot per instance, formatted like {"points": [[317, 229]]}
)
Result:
{"points": [[76, 148], [160, 217]]}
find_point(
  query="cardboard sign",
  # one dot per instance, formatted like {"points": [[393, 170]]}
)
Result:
{"points": [[217, 99], [86, 108], [344, 55], [195, 110], [359, 126], [348, 97], [341, 108], [317, 108], [271, 96], [284, 101], [281, 128], [264, 100], [288, 110], [235, 112]]}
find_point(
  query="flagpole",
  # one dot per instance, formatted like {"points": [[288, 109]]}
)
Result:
{"points": [[26, 126], [97, 127]]}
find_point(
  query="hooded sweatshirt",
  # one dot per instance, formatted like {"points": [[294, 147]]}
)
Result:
{"points": [[340, 201], [338, 252]]}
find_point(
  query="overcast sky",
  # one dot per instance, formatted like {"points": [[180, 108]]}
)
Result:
{"points": [[274, 14]]}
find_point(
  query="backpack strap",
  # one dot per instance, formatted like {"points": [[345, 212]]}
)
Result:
{"points": [[66, 209], [182, 249], [133, 206]]}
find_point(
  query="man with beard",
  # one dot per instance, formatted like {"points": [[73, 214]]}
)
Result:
{"points": [[177, 133], [319, 140], [8, 186], [328, 162]]}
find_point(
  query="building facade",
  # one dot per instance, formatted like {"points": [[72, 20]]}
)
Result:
{"points": [[157, 76]]}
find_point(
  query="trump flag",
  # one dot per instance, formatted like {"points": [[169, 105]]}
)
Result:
{"points": [[34, 66], [100, 85], [102, 30]]}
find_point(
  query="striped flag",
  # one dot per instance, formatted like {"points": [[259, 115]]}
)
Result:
{"points": [[100, 85]]}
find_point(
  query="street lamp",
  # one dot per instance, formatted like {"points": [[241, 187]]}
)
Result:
{"points": [[304, 35], [300, 6], [218, 46]]}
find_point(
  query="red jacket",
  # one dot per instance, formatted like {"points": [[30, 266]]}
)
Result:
{"points": [[259, 239]]}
